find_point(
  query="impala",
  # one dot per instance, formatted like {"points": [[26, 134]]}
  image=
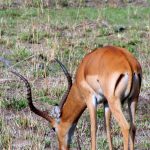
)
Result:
{"points": [[109, 75]]}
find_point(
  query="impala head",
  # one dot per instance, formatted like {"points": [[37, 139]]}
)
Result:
{"points": [[53, 116]]}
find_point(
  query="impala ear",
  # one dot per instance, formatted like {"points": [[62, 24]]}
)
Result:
{"points": [[55, 112]]}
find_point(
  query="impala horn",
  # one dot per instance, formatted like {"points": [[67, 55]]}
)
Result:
{"points": [[69, 79], [55, 111], [43, 114]]}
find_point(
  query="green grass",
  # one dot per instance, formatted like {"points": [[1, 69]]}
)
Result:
{"points": [[23, 24], [21, 53], [30, 36], [14, 104], [130, 16]]}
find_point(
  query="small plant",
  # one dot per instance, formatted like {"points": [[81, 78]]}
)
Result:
{"points": [[21, 53], [102, 144], [5, 137], [23, 122], [37, 3], [104, 32], [34, 36], [14, 104], [146, 144], [47, 143], [100, 113], [8, 43], [5, 141]]}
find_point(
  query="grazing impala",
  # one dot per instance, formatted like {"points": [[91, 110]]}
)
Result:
{"points": [[108, 75]]}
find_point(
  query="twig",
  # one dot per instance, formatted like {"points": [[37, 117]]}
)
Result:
{"points": [[10, 67]]}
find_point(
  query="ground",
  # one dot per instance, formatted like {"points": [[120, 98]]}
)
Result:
{"points": [[31, 35]]}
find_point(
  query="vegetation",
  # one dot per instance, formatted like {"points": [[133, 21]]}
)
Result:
{"points": [[31, 35]]}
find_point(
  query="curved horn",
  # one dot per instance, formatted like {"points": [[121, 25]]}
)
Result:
{"points": [[69, 79], [43, 114]]}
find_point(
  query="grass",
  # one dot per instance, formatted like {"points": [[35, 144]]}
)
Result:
{"points": [[31, 35], [14, 104]]}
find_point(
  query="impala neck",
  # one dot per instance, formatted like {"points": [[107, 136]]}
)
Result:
{"points": [[71, 112]]}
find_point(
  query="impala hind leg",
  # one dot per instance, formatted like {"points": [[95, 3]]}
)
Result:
{"points": [[132, 105], [115, 107], [107, 114]]}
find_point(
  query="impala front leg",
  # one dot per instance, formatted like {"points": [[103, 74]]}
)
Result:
{"points": [[91, 105], [89, 96]]}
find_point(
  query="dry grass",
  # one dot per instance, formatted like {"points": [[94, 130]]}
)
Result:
{"points": [[32, 35]]}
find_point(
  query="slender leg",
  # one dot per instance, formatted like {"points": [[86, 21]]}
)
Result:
{"points": [[88, 94], [132, 104], [108, 128], [93, 120], [115, 107]]}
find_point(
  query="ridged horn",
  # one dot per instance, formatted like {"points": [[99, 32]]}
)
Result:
{"points": [[69, 79], [43, 114]]}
